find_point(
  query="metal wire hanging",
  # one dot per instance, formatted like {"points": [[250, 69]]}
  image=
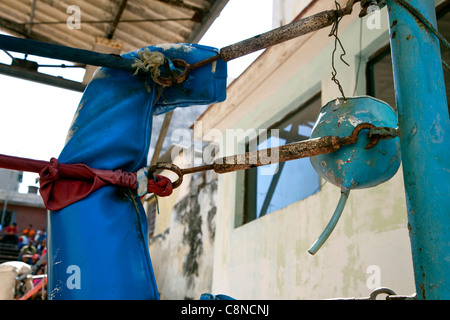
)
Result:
{"points": [[334, 32]]}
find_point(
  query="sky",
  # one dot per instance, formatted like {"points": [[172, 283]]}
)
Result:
{"points": [[35, 118]]}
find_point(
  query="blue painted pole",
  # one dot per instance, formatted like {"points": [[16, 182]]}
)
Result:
{"points": [[425, 143]]}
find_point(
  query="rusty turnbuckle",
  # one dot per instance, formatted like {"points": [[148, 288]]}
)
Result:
{"points": [[292, 151]]}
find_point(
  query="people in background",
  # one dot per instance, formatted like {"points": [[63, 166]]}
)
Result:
{"points": [[11, 234], [40, 236], [42, 246], [29, 232], [35, 258], [11, 229], [29, 242], [27, 252]]}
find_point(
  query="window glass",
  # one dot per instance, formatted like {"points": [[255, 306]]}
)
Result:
{"points": [[275, 186]]}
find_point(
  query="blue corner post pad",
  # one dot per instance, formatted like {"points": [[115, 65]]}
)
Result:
{"points": [[209, 296], [98, 246]]}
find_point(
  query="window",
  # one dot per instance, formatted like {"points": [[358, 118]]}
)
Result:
{"points": [[275, 186], [379, 69], [380, 77], [7, 217]]}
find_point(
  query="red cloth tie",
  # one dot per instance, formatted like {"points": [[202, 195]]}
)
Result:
{"points": [[63, 184], [161, 187]]}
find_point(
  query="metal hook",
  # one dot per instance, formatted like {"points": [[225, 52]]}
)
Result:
{"points": [[378, 291], [174, 77], [171, 167]]}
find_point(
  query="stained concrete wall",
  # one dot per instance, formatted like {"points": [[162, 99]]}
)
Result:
{"points": [[183, 245], [267, 258]]}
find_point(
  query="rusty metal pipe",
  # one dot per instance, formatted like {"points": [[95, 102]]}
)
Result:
{"points": [[292, 151], [284, 33]]}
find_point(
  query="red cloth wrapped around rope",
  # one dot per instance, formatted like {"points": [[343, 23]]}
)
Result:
{"points": [[63, 184]]}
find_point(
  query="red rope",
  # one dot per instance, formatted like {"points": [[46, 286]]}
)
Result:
{"points": [[63, 184]]}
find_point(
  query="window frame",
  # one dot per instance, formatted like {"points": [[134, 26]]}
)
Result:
{"points": [[249, 212]]}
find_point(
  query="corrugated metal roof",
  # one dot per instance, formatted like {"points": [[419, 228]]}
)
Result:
{"points": [[131, 24]]}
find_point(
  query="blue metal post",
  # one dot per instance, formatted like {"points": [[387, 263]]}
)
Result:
{"points": [[425, 143]]}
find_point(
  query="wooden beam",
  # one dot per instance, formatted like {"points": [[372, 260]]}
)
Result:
{"points": [[33, 7], [181, 4], [113, 25], [161, 137], [19, 29]]}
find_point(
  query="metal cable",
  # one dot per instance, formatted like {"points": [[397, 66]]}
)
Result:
{"points": [[334, 32]]}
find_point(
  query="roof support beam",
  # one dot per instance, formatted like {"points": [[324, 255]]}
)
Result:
{"points": [[33, 7], [41, 78], [20, 30], [117, 16], [181, 4]]}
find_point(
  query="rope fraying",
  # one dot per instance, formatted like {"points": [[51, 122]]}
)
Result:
{"points": [[149, 61]]}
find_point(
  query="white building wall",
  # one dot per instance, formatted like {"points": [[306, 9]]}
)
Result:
{"points": [[285, 11]]}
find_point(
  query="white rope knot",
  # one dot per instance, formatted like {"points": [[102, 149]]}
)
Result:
{"points": [[149, 61]]}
